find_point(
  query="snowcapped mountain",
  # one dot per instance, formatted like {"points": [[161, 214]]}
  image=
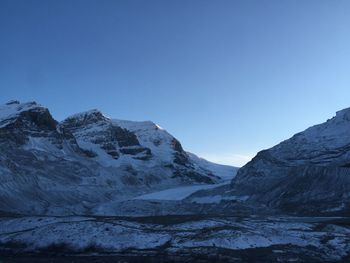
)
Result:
{"points": [[128, 188], [47, 167], [308, 173]]}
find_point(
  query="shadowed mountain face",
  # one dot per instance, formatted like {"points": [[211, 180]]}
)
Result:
{"points": [[48, 167], [309, 173]]}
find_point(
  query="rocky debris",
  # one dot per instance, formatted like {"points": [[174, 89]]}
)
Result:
{"points": [[179, 238]]}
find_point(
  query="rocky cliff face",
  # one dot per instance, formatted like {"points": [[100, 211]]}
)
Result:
{"points": [[309, 173], [97, 132], [70, 167]]}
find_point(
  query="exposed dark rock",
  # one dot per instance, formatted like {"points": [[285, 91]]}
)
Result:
{"points": [[196, 177], [134, 151], [11, 102], [181, 158], [124, 137], [177, 146]]}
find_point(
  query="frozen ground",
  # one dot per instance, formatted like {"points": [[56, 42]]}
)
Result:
{"points": [[278, 239], [178, 193]]}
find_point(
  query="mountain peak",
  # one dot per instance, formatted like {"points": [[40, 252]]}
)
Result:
{"points": [[11, 102], [88, 113], [86, 117], [344, 114], [14, 108]]}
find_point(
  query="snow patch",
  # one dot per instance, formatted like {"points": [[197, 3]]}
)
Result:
{"points": [[177, 193]]}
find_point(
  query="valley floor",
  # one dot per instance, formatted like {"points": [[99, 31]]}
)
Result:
{"points": [[190, 238], [179, 193]]}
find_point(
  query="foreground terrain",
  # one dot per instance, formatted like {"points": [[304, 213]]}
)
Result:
{"points": [[190, 238]]}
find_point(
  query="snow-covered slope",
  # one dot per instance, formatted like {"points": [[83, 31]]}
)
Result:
{"points": [[226, 172], [140, 145], [309, 172], [87, 160]]}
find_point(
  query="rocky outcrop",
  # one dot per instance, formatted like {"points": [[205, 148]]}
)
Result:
{"points": [[20, 122], [97, 130]]}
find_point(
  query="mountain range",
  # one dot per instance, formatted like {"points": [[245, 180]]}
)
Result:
{"points": [[73, 166], [112, 190]]}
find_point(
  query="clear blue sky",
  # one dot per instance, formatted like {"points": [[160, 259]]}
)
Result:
{"points": [[227, 78]]}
